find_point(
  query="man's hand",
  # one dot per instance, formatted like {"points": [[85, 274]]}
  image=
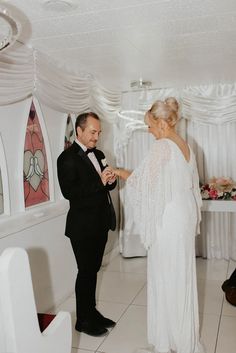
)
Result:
{"points": [[108, 176]]}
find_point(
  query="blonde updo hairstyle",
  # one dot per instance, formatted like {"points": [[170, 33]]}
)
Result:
{"points": [[166, 110]]}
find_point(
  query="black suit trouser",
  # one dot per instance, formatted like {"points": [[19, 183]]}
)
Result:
{"points": [[232, 279], [88, 250]]}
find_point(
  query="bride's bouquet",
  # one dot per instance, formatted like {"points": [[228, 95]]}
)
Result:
{"points": [[223, 188]]}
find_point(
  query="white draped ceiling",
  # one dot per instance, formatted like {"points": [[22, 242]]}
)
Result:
{"points": [[212, 104], [25, 71]]}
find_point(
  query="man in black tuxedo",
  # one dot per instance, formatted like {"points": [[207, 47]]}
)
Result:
{"points": [[85, 180]]}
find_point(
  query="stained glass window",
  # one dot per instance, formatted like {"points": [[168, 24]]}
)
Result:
{"points": [[69, 133], [36, 185], [1, 195]]}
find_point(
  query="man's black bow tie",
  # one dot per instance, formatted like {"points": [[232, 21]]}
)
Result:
{"points": [[90, 150]]}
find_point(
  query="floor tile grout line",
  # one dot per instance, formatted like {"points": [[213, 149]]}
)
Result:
{"points": [[114, 327], [221, 311], [131, 303], [218, 328], [128, 306]]}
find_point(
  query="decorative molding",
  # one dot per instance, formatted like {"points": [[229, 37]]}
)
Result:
{"points": [[9, 29], [59, 5]]}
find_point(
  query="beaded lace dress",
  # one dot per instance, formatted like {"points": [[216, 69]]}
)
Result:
{"points": [[164, 191]]}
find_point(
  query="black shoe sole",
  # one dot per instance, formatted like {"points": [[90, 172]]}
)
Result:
{"points": [[109, 325], [104, 321], [94, 333]]}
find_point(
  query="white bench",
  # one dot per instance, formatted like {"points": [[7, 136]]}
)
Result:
{"points": [[19, 326]]}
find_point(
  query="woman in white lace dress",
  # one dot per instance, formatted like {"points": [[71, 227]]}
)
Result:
{"points": [[164, 191]]}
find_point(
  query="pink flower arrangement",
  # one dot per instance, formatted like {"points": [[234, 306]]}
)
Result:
{"points": [[223, 188]]}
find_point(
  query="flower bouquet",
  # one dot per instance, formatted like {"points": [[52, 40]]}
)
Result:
{"points": [[223, 188]]}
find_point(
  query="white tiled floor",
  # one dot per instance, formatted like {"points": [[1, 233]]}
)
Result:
{"points": [[122, 297]]}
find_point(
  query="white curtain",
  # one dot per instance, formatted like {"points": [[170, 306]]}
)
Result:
{"points": [[211, 130], [209, 125], [25, 71]]}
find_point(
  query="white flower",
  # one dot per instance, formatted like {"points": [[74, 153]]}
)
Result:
{"points": [[104, 162], [205, 195]]}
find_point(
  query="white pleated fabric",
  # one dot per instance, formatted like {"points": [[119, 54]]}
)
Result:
{"points": [[164, 191], [25, 71], [215, 148], [16, 74], [212, 104]]}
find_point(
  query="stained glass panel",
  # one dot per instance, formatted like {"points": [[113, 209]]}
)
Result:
{"points": [[36, 185], [69, 133], [1, 195]]}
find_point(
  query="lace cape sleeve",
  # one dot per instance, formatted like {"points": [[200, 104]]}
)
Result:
{"points": [[147, 192]]}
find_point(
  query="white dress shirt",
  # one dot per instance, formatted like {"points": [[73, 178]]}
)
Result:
{"points": [[91, 156]]}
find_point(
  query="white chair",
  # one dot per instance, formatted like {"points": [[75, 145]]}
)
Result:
{"points": [[18, 316]]}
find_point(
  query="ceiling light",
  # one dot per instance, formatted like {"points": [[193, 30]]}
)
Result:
{"points": [[60, 5], [9, 29], [141, 84], [145, 98]]}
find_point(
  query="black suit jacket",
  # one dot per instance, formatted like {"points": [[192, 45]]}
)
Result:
{"points": [[91, 208]]}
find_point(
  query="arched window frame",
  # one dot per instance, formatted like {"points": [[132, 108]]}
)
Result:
{"points": [[63, 129], [48, 154], [72, 116], [5, 181]]}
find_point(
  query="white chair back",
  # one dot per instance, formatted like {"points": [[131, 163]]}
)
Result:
{"points": [[18, 315]]}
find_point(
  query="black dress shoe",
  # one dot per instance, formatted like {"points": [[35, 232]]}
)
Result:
{"points": [[230, 295], [108, 323], [91, 328], [226, 285]]}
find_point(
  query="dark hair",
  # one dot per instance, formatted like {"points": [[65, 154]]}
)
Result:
{"points": [[81, 120]]}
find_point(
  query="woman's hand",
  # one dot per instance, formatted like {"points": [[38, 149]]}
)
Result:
{"points": [[122, 173]]}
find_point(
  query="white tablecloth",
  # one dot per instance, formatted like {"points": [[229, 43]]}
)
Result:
{"points": [[218, 236], [219, 206]]}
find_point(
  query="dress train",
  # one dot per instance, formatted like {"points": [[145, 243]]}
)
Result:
{"points": [[151, 349]]}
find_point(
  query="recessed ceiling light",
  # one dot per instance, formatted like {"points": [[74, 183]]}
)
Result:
{"points": [[60, 5]]}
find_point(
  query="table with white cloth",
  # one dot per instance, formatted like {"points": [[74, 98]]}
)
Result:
{"points": [[217, 238]]}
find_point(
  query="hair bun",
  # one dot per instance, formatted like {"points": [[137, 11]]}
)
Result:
{"points": [[172, 103]]}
